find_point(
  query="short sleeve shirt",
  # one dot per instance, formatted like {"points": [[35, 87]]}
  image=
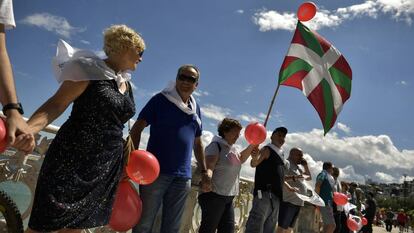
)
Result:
{"points": [[226, 173], [172, 135], [326, 188], [6, 14]]}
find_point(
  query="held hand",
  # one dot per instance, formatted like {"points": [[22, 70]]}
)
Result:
{"points": [[255, 152], [205, 183], [17, 127], [24, 143], [304, 162]]}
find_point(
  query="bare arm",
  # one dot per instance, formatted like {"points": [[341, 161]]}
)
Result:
{"points": [[136, 131], [56, 105], [16, 125], [318, 187], [307, 172], [7, 89], [211, 161], [262, 155], [199, 153], [246, 153], [206, 175]]}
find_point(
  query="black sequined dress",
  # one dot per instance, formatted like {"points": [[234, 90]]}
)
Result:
{"points": [[82, 168]]}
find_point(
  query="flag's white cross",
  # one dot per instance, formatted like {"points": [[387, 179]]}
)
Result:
{"points": [[320, 70]]}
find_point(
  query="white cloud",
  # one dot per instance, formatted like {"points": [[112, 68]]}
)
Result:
{"points": [[240, 11], [398, 9], [250, 118], [52, 23], [343, 127], [248, 88], [386, 178], [214, 112], [85, 42], [402, 82], [200, 93], [100, 53]]}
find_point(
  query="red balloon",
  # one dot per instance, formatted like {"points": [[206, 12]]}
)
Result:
{"points": [[364, 221], [127, 208], [255, 133], [306, 11], [142, 167], [340, 198], [352, 224], [3, 138]]}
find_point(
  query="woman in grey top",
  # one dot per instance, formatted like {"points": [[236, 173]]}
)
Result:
{"points": [[224, 162]]}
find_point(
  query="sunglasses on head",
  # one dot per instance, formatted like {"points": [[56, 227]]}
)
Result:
{"points": [[187, 78]]}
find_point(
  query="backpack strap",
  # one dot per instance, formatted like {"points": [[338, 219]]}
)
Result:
{"points": [[218, 146]]}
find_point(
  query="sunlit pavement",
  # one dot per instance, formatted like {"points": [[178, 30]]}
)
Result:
{"points": [[394, 230]]}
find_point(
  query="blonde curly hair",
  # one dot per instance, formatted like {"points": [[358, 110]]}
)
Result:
{"points": [[119, 38]]}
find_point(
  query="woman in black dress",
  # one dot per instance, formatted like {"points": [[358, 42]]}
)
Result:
{"points": [[83, 166]]}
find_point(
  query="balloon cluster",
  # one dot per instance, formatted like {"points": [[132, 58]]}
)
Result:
{"points": [[142, 168], [3, 138]]}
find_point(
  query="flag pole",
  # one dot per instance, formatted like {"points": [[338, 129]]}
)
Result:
{"points": [[271, 104]]}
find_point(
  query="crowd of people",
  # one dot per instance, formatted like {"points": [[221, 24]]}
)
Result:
{"points": [[84, 164]]}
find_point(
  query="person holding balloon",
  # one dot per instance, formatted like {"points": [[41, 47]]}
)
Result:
{"points": [[84, 163], [324, 187], [224, 161], [269, 180], [14, 124], [175, 131]]}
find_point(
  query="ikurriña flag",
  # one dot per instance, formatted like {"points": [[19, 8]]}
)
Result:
{"points": [[316, 67]]}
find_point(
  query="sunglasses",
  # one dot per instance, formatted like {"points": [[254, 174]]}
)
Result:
{"points": [[186, 78], [141, 53]]}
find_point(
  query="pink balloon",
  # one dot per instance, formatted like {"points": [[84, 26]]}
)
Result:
{"points": [[306, 11], [3, 138], [127, 208], [352, 224], [255, 133], [142, 167], [340, 198], [364, 221]]}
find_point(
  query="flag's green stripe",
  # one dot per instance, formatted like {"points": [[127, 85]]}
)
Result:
{"points": [[294, 67], [340, 79], [311, 41], [329, 109]]}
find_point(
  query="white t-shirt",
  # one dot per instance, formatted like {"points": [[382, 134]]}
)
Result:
{"points": [[6, 14]]}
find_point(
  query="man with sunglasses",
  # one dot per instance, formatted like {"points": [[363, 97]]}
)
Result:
{"points": [[175, 130]]}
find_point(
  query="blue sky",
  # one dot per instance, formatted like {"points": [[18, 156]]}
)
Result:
{"points": [[239, 47]]}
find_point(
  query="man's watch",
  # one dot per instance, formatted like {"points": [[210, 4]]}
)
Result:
{"points": [[17, 106]]}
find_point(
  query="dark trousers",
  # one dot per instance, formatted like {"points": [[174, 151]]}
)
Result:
{"points": [[388, 225], [367, 228], [337, 217], [217, 213]]}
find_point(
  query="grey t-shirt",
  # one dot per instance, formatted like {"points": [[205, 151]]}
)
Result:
{"points": [[226, 174], [291, 197]]}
